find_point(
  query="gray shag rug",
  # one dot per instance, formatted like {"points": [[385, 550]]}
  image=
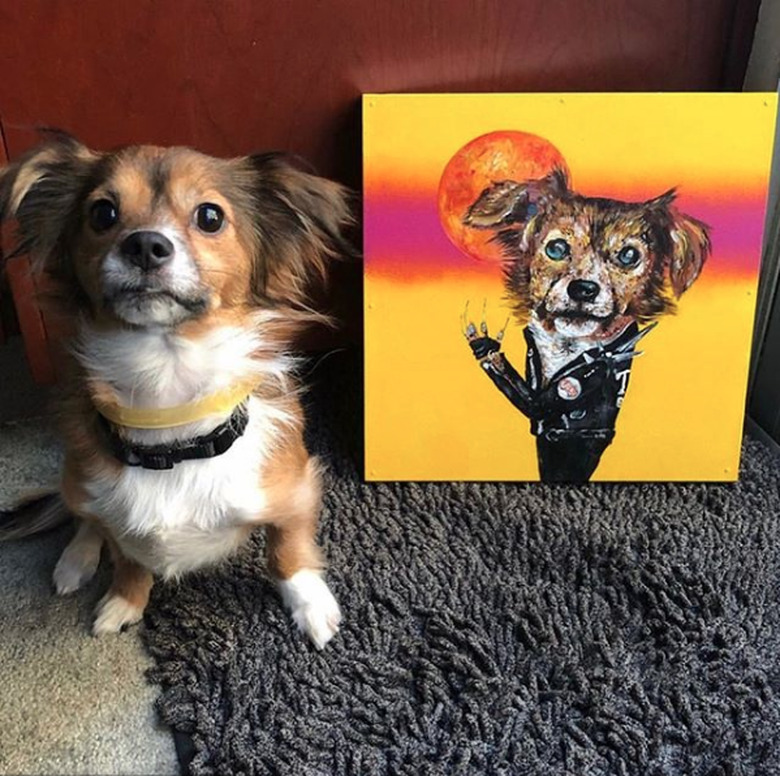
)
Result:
{"points": [[603, 630]]}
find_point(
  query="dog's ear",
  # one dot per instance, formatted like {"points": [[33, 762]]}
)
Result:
{"points": [[688, 244], [691, 246], [299, 221], [511, 203], [41, 191]]}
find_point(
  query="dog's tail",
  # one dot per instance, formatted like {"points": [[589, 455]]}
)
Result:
{"points": [[32, 516]]}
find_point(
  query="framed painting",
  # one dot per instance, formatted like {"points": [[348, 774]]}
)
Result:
{"points": [[561, 286]]}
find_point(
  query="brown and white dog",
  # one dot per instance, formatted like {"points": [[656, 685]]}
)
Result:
{"points": [[186, 276]]}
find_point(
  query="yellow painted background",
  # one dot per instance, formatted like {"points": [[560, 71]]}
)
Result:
{"points": [[431, 413]]}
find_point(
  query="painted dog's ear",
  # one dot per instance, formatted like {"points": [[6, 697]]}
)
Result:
{"points": [[691, 246], [688, 244], [509, 203], [41, 191]]}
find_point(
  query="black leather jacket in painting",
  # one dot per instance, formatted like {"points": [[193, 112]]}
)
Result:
{"points": [[573, 414]]}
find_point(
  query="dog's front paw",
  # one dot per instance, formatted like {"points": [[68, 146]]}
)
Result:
{"points": [[313, 607], [115, 613]]}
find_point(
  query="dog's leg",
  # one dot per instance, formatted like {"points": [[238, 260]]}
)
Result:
{"points": [[126, 599], [293, 557], [79, 560]]}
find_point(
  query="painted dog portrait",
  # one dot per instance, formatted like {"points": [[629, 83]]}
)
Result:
{"points": [[561, 287], [588, 277]]}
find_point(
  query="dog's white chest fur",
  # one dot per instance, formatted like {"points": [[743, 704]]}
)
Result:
{"points": [[176, 520], [556, 352]]}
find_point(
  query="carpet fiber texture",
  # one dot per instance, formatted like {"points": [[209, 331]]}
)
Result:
{"points": [[602, 630]]}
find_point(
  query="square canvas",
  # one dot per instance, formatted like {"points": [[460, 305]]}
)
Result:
{"points": [[561, 287]]}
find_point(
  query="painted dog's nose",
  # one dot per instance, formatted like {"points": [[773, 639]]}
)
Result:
{"points": [[147, 250], [583, 290]]}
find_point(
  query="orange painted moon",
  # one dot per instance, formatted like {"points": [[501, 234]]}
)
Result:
{"points": [[488, 159]]}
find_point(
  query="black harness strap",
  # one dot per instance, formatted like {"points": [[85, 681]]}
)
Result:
{"points": [[161, 457]]}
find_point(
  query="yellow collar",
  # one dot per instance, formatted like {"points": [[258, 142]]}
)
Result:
{"points": [[222, 402]]}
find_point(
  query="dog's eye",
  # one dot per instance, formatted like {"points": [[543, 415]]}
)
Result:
{"points": [[209, 217], [628, 256], [103, 215], [557, 250]]}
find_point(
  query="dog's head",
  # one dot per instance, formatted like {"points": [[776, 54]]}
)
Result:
{"points": [[584, 266], [151, 237]]}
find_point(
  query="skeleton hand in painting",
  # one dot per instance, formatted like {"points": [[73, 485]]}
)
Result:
{"points": [[482, 345], [487, 350]]}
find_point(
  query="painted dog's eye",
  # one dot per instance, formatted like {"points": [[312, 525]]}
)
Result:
{"points": [[628, 256], [209, 217], [103, 215], [557, 249]]}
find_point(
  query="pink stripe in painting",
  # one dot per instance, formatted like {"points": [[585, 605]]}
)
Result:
{"points": [[409, 227]]}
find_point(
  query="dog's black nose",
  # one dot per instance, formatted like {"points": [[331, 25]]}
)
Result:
{"points": [[583, 290], [147, 250]]}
